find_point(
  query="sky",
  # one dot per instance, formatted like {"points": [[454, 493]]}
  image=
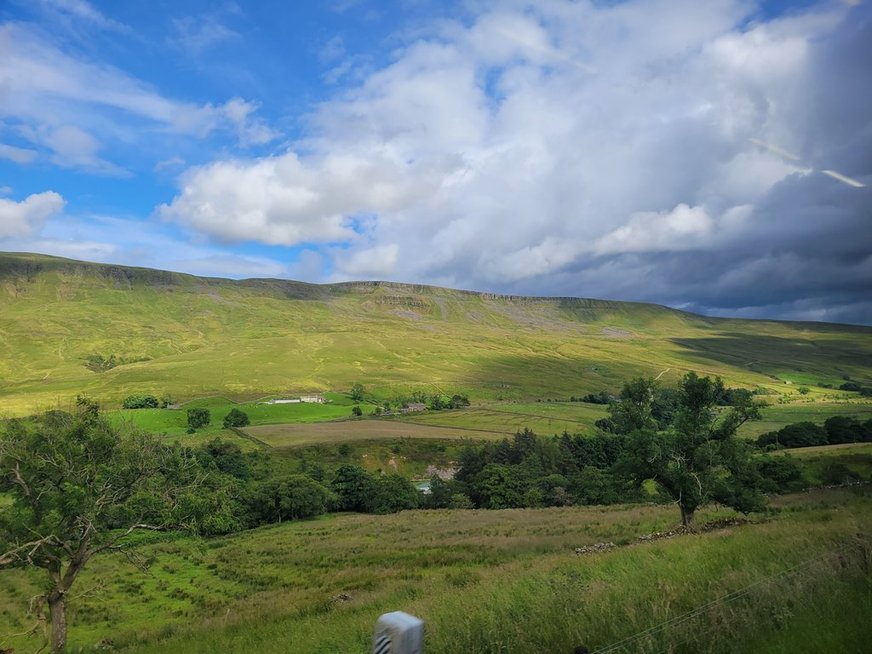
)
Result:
{"points": [[710, 156]]}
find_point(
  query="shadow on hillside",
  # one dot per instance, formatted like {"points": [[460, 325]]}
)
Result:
{"points": [[773, 354]]}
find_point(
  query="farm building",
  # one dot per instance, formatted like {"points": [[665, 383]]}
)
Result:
{"points": [[413, 406], [315, 398]]}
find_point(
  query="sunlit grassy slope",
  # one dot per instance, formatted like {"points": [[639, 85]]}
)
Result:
{"points": [[189, 337], [485, 581]]}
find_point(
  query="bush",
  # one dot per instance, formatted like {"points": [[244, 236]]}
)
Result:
{"points": [[834, 473], [236, 418], [292, 498], [356, 411], [198, 418], [395, 493], [355, 489], [798, 434], [780, 474], [140, 402]]}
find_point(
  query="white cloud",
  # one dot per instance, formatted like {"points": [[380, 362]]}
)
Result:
{"points": [[682, 228], [173, 163], [196, 35], [27, 217], [229, 265], [73, 147], [286, 201], [82, 11], [78, 104], [554, 146], [373, 262], [16, 154]]}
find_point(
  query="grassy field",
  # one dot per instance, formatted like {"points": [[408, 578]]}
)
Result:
{"points": [[173, 422], [189, 337], [486, 581], [297, 435], [544, 418]]}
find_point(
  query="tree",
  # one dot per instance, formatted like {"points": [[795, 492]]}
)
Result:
{"points": [[357, 392], [291, 498], [634, 409], [198, 418], [698, 458], [78, 488], [355, 489], [395, 493], [236, 418], [356, 411]]}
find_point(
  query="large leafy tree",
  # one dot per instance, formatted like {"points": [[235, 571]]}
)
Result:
{"points": [[79, 488], [697, 458]]}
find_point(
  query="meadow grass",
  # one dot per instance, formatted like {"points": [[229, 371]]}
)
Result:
{"points": [[484, 581], [174, 422], [544, 418], [298, 435]]}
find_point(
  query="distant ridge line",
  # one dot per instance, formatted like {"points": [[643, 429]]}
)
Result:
{"points": [[27, 264]]}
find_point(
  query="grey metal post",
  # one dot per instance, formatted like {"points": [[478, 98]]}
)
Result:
{"points": [[398, 633]]}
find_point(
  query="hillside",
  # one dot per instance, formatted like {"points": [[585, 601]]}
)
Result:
{"points": [[69, 327]]}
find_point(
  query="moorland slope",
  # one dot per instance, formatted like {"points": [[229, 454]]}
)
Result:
{"points": [[69, 327]]}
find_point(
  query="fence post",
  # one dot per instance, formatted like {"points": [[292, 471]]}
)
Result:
{"points": [[398, 633]]}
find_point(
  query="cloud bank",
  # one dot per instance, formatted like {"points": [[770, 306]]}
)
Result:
{"points": [[573, 148]]}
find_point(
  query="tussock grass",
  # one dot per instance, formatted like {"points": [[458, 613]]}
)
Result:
{"points": [[486, 581]]}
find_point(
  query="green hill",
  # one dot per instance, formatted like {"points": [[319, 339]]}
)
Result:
{"points": [[69, 327]]}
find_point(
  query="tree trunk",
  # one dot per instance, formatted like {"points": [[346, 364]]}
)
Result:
{"points": [[686, 516], [57, 606]]}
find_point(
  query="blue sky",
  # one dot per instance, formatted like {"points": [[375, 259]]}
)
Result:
{"points": [[711, 156]]}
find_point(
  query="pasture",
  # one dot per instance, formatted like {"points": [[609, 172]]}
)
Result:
{"points": [[485, 581]]}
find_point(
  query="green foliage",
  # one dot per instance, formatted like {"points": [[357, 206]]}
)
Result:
{"points": [[440, 494], [198, 417], [634, 409], [236, 418], [603, 397], [356, 411], [780, 474], [460, 501], [835, 430], [357, 392], [395, 493], [140, 402], [355, 489], [78, 488], [290, 498], [226, 457], [99, 363], [698, 458], [501, 486]]}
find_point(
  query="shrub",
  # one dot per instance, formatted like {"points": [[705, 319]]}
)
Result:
{"points": [[140, 402], [396, 493], [780, 474], [460, 501], [236, 418], [198, 418]]}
